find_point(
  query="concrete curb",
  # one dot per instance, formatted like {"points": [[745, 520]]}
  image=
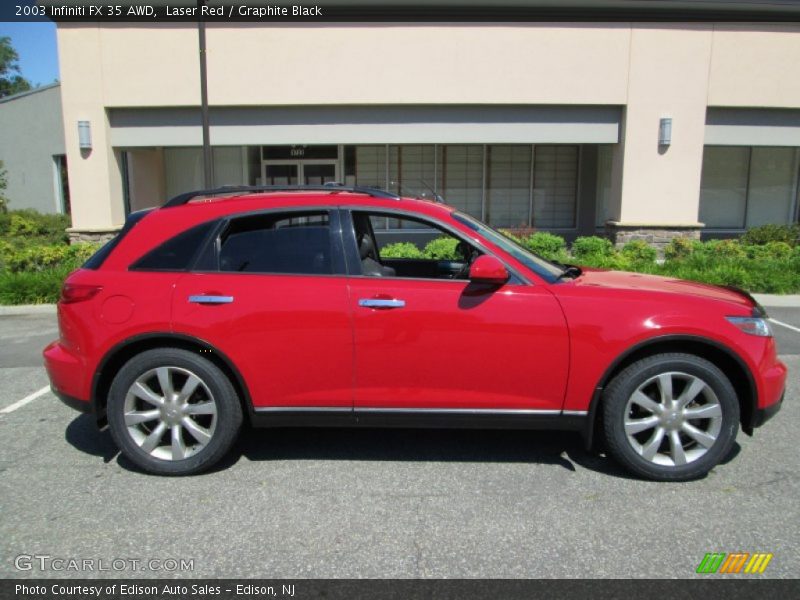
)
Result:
{"points": [[778, 301], [27, 309]]}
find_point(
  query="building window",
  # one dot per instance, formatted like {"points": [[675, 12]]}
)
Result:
{"points": [[370, 166], [508, 185], [605, 160], [747, 186], [461, 180], [412, 170], [61, 183], [555, 192]]}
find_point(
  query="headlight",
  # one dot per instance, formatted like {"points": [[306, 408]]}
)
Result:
{"points": [[752, 325]]}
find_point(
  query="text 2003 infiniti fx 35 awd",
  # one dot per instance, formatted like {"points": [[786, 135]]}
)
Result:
{"points": [[277, 306]]}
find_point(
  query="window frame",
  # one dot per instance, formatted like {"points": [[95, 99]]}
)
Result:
{"points": [[353, 260]]}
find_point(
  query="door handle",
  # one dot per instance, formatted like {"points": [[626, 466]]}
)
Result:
{"points": [[204, 299], [381, 303]]}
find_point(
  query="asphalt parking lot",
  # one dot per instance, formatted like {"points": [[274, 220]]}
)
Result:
{"points": [[370, 503]]}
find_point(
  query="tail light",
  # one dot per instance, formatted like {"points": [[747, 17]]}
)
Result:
{"points": [[77, 292]]}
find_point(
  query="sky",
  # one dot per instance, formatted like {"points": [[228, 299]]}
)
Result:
{"points": [[36, 45]]}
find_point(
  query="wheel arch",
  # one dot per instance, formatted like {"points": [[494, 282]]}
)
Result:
{"points": [[723, 357], [122, 352]]}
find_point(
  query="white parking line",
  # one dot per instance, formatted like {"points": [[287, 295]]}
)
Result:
{"points": [[792, 327], [25, 400]]}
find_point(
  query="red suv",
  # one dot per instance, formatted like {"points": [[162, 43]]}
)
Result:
{"points": [[283, 307]]}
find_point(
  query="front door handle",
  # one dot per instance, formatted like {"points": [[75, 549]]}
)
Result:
{"points": [[208, 299], [381, 303]]}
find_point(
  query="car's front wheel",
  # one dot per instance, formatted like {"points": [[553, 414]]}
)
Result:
{"points": [[670, 417], [172, 412]]}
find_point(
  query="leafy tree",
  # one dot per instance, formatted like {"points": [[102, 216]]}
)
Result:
{"points": [[11, 79]]}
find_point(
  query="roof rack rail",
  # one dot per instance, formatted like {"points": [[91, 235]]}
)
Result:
{"points": [[181, 199]]}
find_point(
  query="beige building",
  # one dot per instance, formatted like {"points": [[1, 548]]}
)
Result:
{"points": [[626, 128]]}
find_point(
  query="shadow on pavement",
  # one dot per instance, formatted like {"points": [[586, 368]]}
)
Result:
{"points": [[557, 448], [82, 434]]}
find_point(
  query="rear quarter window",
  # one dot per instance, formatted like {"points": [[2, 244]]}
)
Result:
{"points": [[177, 253]]}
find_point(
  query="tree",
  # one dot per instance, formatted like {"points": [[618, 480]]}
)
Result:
{"points": [[11, 79]]}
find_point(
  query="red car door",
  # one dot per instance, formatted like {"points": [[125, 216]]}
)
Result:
{"points": [[277, 309], [439, 344], [427, 338]]}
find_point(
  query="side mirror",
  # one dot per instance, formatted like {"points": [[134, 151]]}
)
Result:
{"points": [[487, 269]]}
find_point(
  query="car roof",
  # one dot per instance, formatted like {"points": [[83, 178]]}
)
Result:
{"points": [[160, 224], [236, 202]]}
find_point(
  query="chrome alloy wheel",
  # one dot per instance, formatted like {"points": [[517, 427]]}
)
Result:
{"points": [[170, 413], [673, 419]]}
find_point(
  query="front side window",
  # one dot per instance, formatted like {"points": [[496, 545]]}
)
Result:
{"points": [[414, 248], [292, 243]]}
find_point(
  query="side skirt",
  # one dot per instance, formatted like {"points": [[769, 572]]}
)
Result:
{"points": [[418, 418]]}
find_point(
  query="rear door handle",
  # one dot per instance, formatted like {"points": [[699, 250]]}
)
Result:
{"points": [[204, 299], [381, 303]]}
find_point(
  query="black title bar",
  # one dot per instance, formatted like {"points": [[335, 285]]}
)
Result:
{"points": [[399, 589], [276, 11]]}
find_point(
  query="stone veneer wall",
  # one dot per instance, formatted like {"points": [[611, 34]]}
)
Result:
{"points": [[657, 236], [91, 235]]}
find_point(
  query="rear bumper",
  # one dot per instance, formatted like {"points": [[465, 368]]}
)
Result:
{"points": [[66, 372], [74, 403]]}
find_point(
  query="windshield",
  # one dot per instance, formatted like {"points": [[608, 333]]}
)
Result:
{"points": [[537, 264]]}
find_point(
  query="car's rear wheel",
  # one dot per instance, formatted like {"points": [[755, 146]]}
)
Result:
{"points": [[670, 417], [172, 412]]}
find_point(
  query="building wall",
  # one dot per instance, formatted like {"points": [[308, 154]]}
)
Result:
{"points": [[675, 70], [31, 134]]}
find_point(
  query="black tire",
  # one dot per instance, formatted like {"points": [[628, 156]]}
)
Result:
{"points": [[632, 451], [214, 388]]}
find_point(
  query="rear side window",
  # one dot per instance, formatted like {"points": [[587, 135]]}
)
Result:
{"points": [[296, 243], [177, 253]]}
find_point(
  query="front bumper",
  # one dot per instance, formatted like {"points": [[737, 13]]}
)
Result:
{"points": [[762, 415]]}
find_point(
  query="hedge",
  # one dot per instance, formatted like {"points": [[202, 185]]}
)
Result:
{"points": [[35, 256], [766, 259]]}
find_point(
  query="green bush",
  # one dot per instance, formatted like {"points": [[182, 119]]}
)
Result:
{"points": [[770, 250], [639, 251], [679, 248], [401, 250], [764, 234], [29, 226], [592, 247], [442, 248], [546, 245], [40, 258], [724, 249]]}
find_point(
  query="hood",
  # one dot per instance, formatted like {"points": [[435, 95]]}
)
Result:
{"points": [[665, 285]]}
